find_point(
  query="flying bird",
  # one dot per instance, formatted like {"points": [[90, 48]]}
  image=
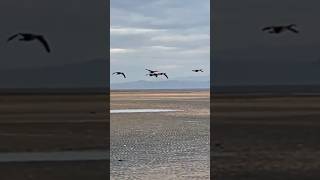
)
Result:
{"points": [[197, 70], [151, 71], [31, 37], [152, 74], [120, 73], [163, 74], [280, 29]]}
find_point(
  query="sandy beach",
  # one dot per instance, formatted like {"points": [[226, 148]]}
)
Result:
{"points": [[265, 137], [52, 125], [162, 145]]}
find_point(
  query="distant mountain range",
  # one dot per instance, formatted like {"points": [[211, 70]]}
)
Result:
{"points": [[169, 84], [87, 75]]}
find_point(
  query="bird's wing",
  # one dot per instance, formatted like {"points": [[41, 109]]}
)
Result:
{"points": [[148, 70], [12, 37], [123, 75], [293, 30], [267, 28], [114, 73], [194, 70], [44, 42], [166, 75]]}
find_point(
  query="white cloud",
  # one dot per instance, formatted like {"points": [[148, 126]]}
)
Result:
{"points": [[164, 48], [120, 50], [133, 31], [181, 38], [196, 51], [168, 67]]}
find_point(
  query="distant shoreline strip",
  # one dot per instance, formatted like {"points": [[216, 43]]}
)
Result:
{"points": [[93, 155], [142, 110]]}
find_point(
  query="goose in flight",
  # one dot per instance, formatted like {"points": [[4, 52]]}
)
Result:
{"points": [[31, 37], [280, 29], [151, 71], [197, 70], [163, 74], [120, 73], [152, 74]]}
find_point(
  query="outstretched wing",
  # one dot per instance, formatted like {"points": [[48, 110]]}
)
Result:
{"points": [[267, 28], [12, 37], [166, 75], [44, 42], [293, 30], [123, 75], [151, 71]]}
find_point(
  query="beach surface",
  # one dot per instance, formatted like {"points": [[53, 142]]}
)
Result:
{"points": [[54, 136], [265, 137], [160, 145]]}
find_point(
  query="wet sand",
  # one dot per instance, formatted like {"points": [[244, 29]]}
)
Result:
{"points": [[51, 125], [162, 145], [266, 137]]}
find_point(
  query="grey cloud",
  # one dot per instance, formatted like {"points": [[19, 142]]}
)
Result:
{"points": [[171, 35]]}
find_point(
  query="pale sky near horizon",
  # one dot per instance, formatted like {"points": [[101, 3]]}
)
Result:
{"points": [[167, 35]]}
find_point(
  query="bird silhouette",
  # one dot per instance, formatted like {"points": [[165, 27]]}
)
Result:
{"points": [[151, 71], [197, 70], [280, 29], [164, 74], [31, 37], [152, 74], [120, 73]]}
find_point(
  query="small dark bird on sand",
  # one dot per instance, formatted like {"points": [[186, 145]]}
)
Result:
{"points": [[151, 71], [218, 145], [280, 29], [31, 37], [119, 73], [197, 70]]}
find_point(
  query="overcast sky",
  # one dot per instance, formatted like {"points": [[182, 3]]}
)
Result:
{"points": [[243, 54], [166, 35], [77, 33]]}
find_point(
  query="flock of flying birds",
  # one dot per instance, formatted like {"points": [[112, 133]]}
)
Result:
{"points": [[27, 37], [154, 73], [269, 29]]}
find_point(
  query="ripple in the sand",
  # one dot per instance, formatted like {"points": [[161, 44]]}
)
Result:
{"points": [[142, 110]]}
